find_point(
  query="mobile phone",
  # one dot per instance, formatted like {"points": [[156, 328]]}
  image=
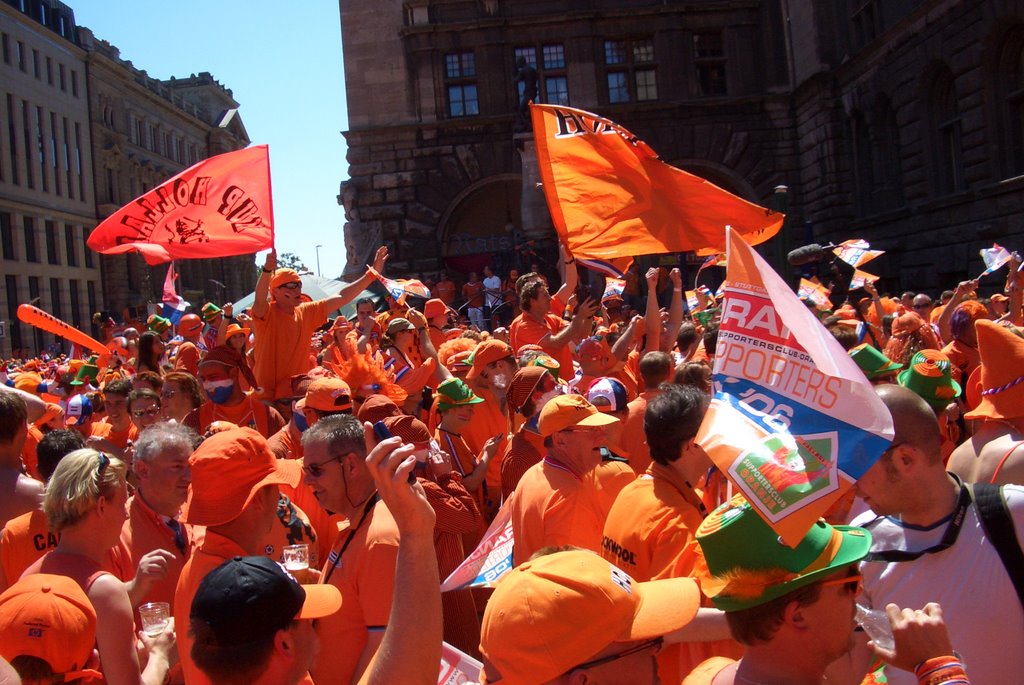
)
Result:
{"points": [[382, 432]]}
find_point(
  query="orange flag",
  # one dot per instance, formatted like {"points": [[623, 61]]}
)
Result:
{"points": [[220, 207], [610, 195]]}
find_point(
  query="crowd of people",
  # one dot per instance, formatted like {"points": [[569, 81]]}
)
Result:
{"points": [[181, 465]]}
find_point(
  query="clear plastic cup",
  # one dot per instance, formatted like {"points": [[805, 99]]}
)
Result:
{"points": [[295, 558], [155, 617], [876, 624]]}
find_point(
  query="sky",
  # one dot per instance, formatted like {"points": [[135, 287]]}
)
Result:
{"points": [[283, 64]]}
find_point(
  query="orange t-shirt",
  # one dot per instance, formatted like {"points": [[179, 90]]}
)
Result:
{"points": [[610, 477], [282, 346], [29, 458], [445, 291], [294, 528], [473, 292], [287, 442], [554, 506], [488, 421], [526, 330], [214, 551], [144, 531], [633, 439], [649, 534], [250, 412], [365, 575], [24, 540], [187, 358], [120, 438]]}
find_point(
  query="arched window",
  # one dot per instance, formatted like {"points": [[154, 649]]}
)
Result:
{"points": [[863, 164], [1009, 73], [885, 143]]}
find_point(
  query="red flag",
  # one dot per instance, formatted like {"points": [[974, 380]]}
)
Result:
{"points": [[610, 195], [220, 207]]}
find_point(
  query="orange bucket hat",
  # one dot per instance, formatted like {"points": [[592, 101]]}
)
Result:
{"points": [[228, 469], [1002, 364]]}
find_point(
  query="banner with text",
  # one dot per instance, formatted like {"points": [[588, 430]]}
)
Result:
{"points": [[491, 559], [793, 422]]}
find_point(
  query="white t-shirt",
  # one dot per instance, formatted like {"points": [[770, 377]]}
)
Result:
{"points": [[979, 604], [492, 291]]}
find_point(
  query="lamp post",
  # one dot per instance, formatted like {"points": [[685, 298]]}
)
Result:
{"points": [[319, 275]]}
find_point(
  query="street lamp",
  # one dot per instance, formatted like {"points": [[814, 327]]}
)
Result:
{"points": [[319, 275]]}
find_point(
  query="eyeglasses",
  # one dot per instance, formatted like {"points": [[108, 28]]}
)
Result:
{"points": [[292, 286], [139, 413], [643, 646], [317, 470], [856, 579]]}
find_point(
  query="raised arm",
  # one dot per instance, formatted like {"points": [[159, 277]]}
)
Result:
{"points": [[570, 277], [352, 290], [261, 304], [963, 289], [652, 315], [675, 312]]}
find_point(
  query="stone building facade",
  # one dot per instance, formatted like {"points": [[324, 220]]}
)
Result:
{"points": [[899, 121], [144, 131], [47, 203], [81, 133]]}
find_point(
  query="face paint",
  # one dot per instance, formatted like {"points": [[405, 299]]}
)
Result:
{"points": [[219, 392], [500, 381], [300, 419]]}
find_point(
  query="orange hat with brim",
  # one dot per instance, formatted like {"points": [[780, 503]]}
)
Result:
{"points": [[49, 617], [555, 612], [568, 411], [228, 469], [487, 352], [235, 329], [327, 394], [284, 277], [1002, 366], [434, 307]]}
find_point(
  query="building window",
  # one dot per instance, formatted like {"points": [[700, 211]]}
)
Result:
{"points": [[1009, 76], [709, 62], [30, 177], [70, 245], [35, 63], [89, 260], [78, 161], [76, 303], [7, 236], [63, 78], [5, 46], [945, 128], [13, 302], [67, 160], [55, 298], [41, 146], [49, 70], [460, 74], [631, 73], [21, 55], [12, 139], [53, 153], [864, 22], [552, 84], [74, 83], [52, 255], [29, 230]]}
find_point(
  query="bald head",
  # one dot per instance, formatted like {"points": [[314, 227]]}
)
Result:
{"points": [[913, 420]]}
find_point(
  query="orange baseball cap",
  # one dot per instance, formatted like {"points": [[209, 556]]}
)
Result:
{"points": [[566, 411], [555, 612], [486, 352], [327, 394], [228, 469], [49, 617]]}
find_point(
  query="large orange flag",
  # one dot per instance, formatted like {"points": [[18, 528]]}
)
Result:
{"points": [[220, 207], [610, 195]]}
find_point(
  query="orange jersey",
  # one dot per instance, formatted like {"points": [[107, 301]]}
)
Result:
{"points": [[144, 531], [24, 540], [120, 438], [362, 566], [633, 439], [649, 534], [552, 505], [187, 358], [282, 345], [292, 528], [250, 412], [526, 330], [488, 421]]}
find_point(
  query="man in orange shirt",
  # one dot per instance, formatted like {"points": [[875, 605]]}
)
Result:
{"points": [[219, 375], [115, 401], [649, 532], [362, 560], [555, 502], [18, 493], [234, 493], [541, 322], [493, 368], [472, 291], [283, 324], [190, 351], [445, 289], [162, 476], [436, 313], [26, 538], [655, 369]]}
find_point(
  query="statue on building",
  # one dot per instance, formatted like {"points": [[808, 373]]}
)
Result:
{"points": [[361, 240], [526, 75]]}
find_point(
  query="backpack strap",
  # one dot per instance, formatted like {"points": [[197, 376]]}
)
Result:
{"points": [[990, 505]]}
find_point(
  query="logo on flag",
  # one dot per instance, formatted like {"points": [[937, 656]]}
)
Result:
{"points": [[219, 207], [814, 291], [856, 252], [793, 423], [174, 304], [994, 257], [613, 288], [400, 288], [491, 559]]}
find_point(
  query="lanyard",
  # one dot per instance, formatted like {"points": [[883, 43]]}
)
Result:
{"points": [[963, 503], [335, 559], [453, 453]]}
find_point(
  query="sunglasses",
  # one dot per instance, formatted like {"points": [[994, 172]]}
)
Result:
{"points": [[317, 470], [102, 466], [643, 646], [292, 286], [139, 413], [857, 580]]}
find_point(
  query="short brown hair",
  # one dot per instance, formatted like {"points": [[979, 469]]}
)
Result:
{"points": [[13, 415], [189, 385], [759, 624]]}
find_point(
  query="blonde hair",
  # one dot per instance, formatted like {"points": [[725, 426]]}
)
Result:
{"points": [[77, 484]]}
